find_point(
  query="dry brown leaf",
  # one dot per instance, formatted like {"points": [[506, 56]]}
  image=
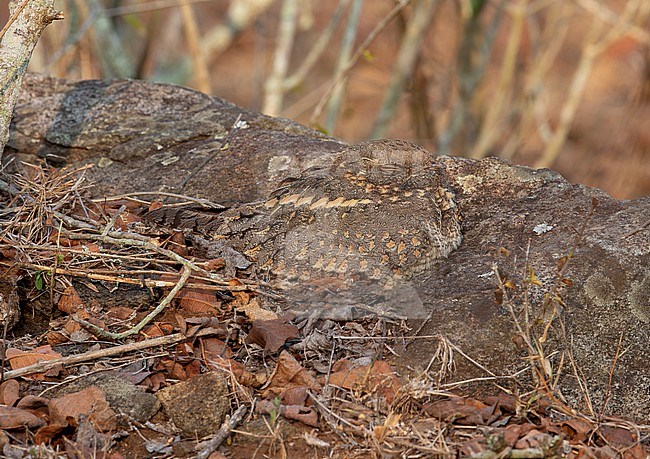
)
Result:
{"points": [[70, 302], [90, 402], [215, 264], [288, 373], [174, 369], [271, 334], [378, 378], [17, 418], [177, 244], [505, 402], [155, 205], [306, 415], [637, 452], [577, 430], [9, 392], [197, 301], [54, 338], [617, 437], [533, 439], [120, 313], [212, 348], [237, 369], [295, 396], [462, 411], [33, 403], [254, 311], [49, 435], [154, 381], [19, 359], [157, 329]]}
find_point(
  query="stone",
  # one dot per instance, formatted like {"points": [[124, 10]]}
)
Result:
{"points": [[515, 220], [197, 406]]}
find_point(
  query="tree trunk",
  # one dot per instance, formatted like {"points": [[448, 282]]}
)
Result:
{"points": [[28, 18]]}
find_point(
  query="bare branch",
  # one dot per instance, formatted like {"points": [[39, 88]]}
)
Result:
{"points": [[274, 88], [406, 59], [19, 37], [333, 107]]}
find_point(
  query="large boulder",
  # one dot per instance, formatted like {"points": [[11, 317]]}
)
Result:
{"points": [[588, 320]]}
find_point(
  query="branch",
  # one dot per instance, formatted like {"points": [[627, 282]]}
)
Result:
{"points": [[333, 107], [46, 365], [19, 37], [342, 75], [407, 55], [274, 87]]}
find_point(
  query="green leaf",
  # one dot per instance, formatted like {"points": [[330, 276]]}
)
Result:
{"points": [[39, 281]]}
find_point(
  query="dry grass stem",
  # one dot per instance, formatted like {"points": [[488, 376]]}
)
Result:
{"points": [[274, 87], [410, 49], [340, 77], [349, 37], [192, 36], [596, 42]]}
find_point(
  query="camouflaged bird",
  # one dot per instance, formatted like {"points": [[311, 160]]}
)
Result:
{"points": [[349, 235]]}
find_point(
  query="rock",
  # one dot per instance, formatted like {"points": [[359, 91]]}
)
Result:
{"points": [[514, 218], [197, 406], [150, 137], [123, 396]]}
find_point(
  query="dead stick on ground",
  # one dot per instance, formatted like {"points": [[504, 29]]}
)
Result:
{"points": [[152, 283], [211, 445], [109, 226], [102, 353], [170, 296]]}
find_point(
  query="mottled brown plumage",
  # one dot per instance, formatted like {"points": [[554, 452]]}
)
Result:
{"points": [[350, 235]]}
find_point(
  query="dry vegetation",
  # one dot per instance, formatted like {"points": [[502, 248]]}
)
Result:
{"points": [[332, 393], [550, 83]]}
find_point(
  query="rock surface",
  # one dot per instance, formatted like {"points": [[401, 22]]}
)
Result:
{"points": [[145, 136], [148, 137], [197, 406]]}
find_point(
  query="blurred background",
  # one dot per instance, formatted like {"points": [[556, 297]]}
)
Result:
{"points": [[563, 84]]}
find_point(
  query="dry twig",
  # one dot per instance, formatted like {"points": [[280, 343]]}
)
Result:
{"points": [[46, 365]]}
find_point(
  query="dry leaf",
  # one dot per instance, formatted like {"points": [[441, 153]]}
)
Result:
{"points": [[378, 378], [52, 434], [155, 206], [462, 411], [306, 415], [9, 392], [617, 437], [253, 310], [70, 302], [272, 334], [215, 264], [576, 430], [120, 313], [90, 402], [17, 418], [197, 301], [19, 359], [289, 373]]}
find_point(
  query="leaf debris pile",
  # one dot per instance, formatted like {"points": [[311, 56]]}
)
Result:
{"points": [[130, 346]]}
